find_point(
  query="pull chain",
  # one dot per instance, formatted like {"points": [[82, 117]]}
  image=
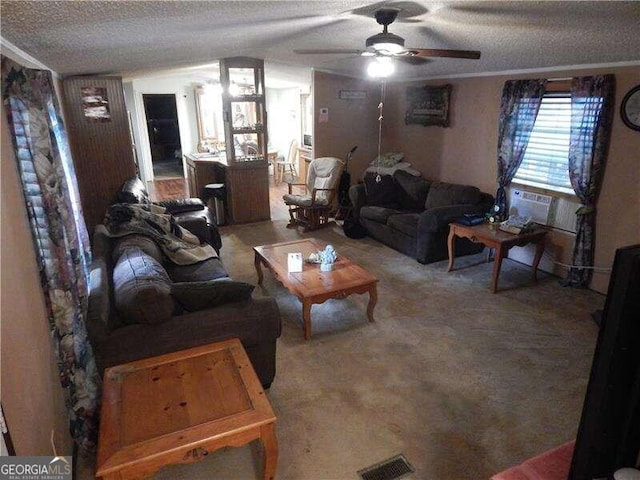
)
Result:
{"points": [[380, 117]]}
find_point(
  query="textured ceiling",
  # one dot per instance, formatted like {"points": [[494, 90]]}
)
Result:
{"points": [[74, 37]]}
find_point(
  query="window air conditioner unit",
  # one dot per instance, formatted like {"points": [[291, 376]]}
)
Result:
{"points": [[556, 212], [530, 204]]}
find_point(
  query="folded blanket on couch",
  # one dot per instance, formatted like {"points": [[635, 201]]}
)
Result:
{"points": [[178, 244]]}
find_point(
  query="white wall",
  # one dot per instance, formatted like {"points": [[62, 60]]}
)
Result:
{"points": [[284, 123]]}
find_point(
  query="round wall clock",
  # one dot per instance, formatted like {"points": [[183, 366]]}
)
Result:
{"points": [[630, 108]]}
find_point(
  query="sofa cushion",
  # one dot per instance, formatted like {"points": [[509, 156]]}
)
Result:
{"points": [[209, 269], [443, 194], [141, 288], [382, 193], [377, 214], [412, 191], [142, 242], [406, 223], [194, 296]]}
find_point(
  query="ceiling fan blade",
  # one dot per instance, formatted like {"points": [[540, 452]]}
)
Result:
{"points": [[430, 52], [412, 60], [327, 51]]}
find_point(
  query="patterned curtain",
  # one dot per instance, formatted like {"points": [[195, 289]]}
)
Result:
{"points": [[521, 101], [592, 106], [59, 233]]}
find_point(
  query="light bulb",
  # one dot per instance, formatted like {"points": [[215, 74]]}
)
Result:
{"points": [[381, 67], [388, 47], [212, 88]]}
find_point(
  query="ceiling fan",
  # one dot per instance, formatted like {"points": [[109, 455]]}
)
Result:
{"points": [[387, 44]]}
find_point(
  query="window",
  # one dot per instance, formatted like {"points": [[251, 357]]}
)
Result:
{"points": [[546, 159]]}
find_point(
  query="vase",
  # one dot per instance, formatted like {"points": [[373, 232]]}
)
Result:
{"points": [[326, 267]]}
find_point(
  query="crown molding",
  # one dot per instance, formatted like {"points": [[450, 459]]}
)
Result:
{"points": [[10, 50], [562, 68]]}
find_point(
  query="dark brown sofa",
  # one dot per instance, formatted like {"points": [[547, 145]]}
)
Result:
{"points": [[142, 306], [412, 214], [191, 213]]}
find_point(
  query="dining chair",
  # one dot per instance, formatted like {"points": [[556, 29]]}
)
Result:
{"points": [[289, 164]]}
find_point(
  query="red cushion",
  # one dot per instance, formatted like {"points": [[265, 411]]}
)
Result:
{"points": [[550, 465]]}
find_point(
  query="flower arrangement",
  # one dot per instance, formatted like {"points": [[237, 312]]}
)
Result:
{"points": [[326, 258]]}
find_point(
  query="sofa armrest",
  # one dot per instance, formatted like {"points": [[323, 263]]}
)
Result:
{"points": [[438, 219], [200, 223], [182, 205], [358, 197], [198, 226]]}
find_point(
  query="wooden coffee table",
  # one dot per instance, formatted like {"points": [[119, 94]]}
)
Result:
{"points": [[179, 407], [311, 285], [492, 237]]}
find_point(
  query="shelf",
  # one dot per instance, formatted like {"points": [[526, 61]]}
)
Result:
{"points": [[246, 98], [256, 129]]}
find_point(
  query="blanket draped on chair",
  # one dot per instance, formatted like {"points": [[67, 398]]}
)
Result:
{"points": [[178, 244]]}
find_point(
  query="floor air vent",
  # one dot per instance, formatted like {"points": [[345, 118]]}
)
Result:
{"points": [[391, 469]]}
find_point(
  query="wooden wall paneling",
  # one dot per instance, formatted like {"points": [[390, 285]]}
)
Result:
{"points": [[101, 150], [248, 194]]}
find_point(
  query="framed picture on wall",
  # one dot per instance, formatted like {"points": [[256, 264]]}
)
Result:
{"points": [[428, 105], [95, 104]]}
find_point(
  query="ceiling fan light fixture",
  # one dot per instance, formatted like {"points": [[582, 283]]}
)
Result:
{"points": [[386, 42], [381, 67]]}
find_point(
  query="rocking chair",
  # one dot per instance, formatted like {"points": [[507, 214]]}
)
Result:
{"points": [[312, 209]]}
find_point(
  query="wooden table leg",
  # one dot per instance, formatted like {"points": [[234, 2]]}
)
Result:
{"points": [[497, 263], [538, 256], [306, 317], [451, 247], [373, 299], [270, 445], [257, 262]]}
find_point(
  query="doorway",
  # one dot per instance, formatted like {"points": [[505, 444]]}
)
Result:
{"points": [[164, 135]]}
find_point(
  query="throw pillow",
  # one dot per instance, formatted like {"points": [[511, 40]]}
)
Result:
{"points": [[446, 194], [382, 193], [209, 269], [146, 244], [141, 288], [387, 160], [413, 190], [194, 296]]}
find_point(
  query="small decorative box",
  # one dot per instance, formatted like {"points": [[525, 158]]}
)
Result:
{"points": [[294, 262]]}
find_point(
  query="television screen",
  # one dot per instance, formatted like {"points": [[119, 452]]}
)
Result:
{"points": [[609, 432], [307, 141]]}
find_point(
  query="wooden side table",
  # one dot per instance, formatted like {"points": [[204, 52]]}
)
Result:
{"points": [[179, 407], [491, 236]]}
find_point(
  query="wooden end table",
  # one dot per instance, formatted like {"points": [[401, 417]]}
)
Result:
{"points": [[311, 285], [494, 238], [179, 407]]}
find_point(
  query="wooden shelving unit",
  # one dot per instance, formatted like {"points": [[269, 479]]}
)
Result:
{"points": [[245, 127]]}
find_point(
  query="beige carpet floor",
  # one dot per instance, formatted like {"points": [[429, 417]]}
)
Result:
{"points": [[465, 383]]}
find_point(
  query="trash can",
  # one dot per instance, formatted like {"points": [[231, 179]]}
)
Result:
{"points": [[218, 193]]}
